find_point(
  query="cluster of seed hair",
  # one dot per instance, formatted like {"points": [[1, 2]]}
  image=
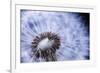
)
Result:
{"points": [[49, 53]]}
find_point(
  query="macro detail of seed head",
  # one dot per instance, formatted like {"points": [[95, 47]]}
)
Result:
{"points": [[54, 36], [46, 45]]}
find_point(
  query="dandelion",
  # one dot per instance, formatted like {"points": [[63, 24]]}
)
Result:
{"points": [[54, 36]]}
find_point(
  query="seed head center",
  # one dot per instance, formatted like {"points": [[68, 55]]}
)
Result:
{"points": [[45, 44]]}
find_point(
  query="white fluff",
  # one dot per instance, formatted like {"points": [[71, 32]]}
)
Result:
{"points": [[69, 26]]}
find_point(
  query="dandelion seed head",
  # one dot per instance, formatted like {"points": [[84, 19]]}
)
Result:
{"points": [[46, 45], [54, 36]]}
